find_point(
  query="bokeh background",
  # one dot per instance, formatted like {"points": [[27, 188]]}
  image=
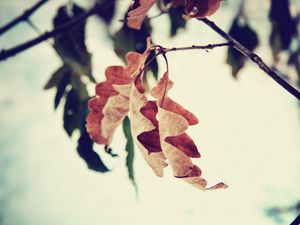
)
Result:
{"points": [[248, 134]]}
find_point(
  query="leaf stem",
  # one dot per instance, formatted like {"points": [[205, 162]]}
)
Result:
{"points": [[167, 83], [254, 58]]}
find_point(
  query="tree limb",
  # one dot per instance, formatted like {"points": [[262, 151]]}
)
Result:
{"points": [[296, 221], [24, 17], [4, 54], [255, 58], [164, 50]]}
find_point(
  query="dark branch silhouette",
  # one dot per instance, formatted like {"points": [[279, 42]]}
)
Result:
{"points": [[255, 58], [22, 18], [4, 54], [164, 50], [296, 221]]}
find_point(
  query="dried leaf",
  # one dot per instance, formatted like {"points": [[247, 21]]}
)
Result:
{"points": [[144, 128], [111, 103], [198, 8], [136, 16], [176, 145]]}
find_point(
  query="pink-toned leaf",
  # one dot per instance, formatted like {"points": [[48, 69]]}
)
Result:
{"points": [[111, 103], [136, 16], [144, 127], [176, 145], [198, 8]]}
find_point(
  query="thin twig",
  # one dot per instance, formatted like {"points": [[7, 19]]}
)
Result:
{"points": [[24, 17], [195, 47], [4, 54], [38, 31], [255, 58], [34, 27]]}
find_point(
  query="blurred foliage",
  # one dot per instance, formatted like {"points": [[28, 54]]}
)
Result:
{"points": [[129, 149], [175, 16], [283, 26], [242, 32], [285, 36], [70, 45], [106, 10], [67, 80], [277, 212]]}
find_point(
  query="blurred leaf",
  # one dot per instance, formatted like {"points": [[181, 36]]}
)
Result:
{"points": [[275, 42], [176, 19], [278, 212], [56, 78], [129, 149], [294, 57], [71, 48], [294, 60], [175, 15], [70, 45], [127, 39], [72, 116], [153, 66], [86, 152], [247, 37], [61, 88], [283, 26], [80, 87], [106, 10]]}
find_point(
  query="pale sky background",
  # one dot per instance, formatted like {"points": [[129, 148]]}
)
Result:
{"points": [[248, 135]]}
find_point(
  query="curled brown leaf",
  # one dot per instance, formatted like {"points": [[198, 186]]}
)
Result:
{"points": [[111, 103], [144, 128], [136, 16], [176, 145], [198, 8]]}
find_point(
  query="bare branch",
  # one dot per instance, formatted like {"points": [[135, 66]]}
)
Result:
{"points": [[24, 17], [164, 50], [296, 221], [4, 54], [255, 58]]}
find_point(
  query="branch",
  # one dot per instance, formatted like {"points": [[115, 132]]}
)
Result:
{"points": [[255, 58], [4, 54], [163, 50], [24, 17], [296, 221]]}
